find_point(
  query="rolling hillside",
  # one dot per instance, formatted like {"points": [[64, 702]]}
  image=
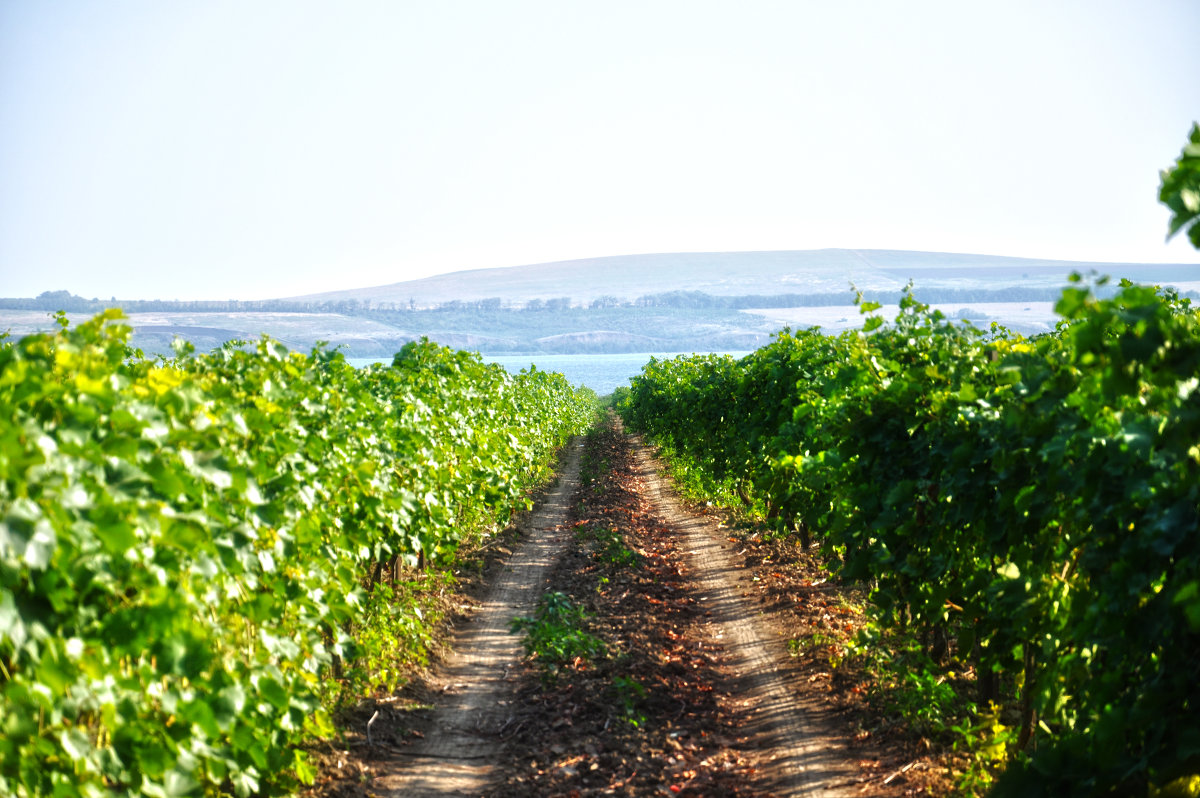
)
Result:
{"points": [[823, 271], [656, 304]]}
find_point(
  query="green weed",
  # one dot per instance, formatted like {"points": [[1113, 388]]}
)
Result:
{"points": [[628, 692], [612, 548], [555, 636], [989, 743]]}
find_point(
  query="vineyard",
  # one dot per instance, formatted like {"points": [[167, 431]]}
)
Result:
{"points": [[1024, 512], [205, 558], [201, 556]]}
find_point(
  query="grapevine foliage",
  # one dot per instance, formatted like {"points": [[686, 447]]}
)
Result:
{"points": [[1035, 502], [185, 544], [1179, 190]]}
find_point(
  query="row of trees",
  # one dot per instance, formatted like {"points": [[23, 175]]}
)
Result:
{"points": [[52, 301]]}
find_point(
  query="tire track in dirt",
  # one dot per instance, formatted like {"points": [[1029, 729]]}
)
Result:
{"points": [[804, 751], [797, 747], [458, 754]]}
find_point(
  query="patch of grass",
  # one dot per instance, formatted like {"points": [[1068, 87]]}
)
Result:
{"points": [[909, 683], [987, 743], [394, 634], [815, 640], [933, 700]]}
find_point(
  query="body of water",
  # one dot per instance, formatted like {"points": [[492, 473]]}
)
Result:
{"points": [[601, 373]]}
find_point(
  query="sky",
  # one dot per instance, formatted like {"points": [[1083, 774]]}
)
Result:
{"points": [[253, 149]]}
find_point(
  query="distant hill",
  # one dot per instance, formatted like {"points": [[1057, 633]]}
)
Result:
{"points": [[674, 302], [825, 271]]}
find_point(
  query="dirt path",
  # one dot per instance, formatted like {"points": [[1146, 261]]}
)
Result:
{"points": [[804, 750], [459, 751], [698, 697]]}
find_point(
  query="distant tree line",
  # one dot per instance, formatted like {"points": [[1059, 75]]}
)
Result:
{"points": [[932, 296], [65, 300], [689, 300]]}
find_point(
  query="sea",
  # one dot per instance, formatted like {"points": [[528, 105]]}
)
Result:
{"points": [[601, 373]]}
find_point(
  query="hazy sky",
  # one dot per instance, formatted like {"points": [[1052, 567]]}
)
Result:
{"points": [[253, 149]]}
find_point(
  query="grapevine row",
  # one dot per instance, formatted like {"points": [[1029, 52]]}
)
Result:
{"points": [[188, 545], [1030, 507]]}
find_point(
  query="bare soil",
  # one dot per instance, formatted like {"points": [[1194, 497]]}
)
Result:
{"points": [[712, 685]]}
